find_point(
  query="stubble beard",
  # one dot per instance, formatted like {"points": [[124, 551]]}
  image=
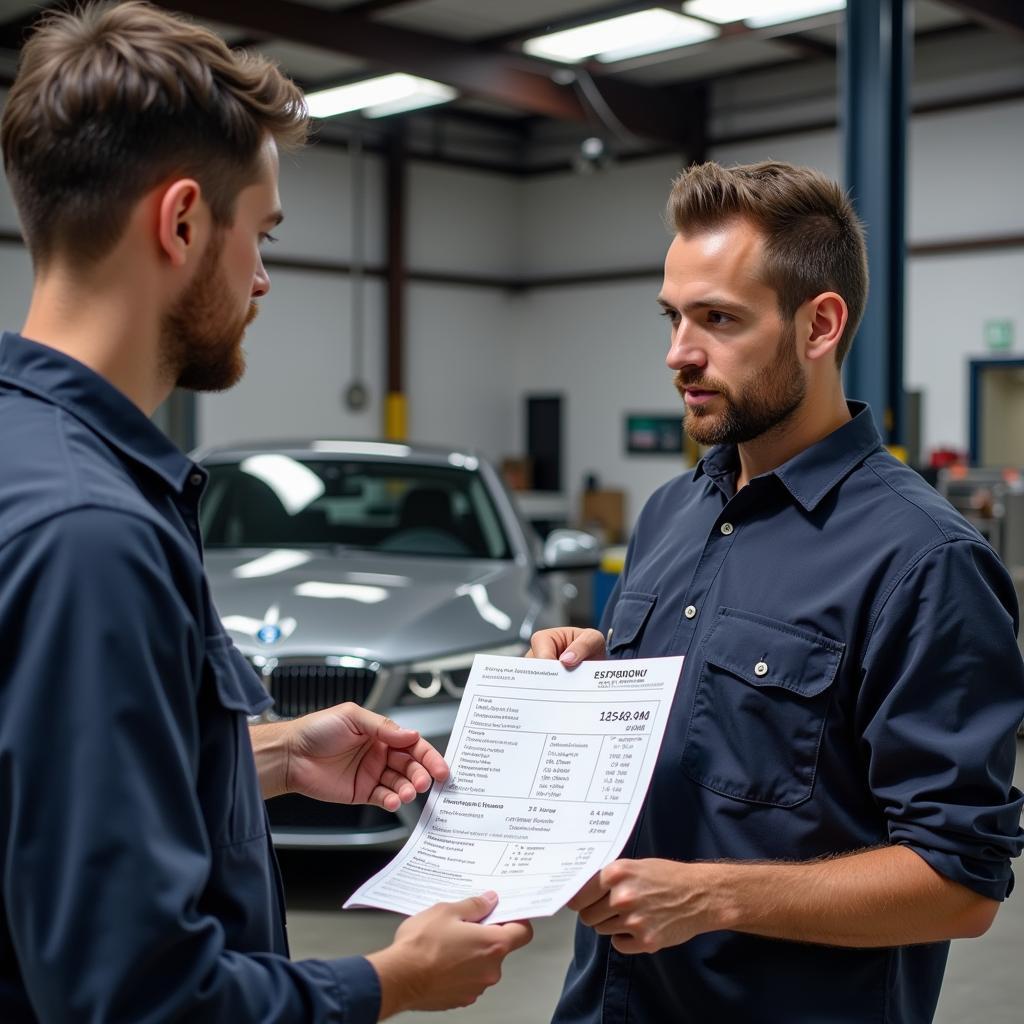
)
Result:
{"points": [[761, 404], [201, 344]]}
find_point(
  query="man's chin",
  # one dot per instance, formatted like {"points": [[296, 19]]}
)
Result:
{"points": [[213, 378], [701, 426]]}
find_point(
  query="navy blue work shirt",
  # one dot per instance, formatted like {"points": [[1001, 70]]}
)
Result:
{"points": [[138, 879], [852, 679]]}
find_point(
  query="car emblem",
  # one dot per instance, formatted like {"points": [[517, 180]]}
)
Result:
{"points": [[268, 633]]}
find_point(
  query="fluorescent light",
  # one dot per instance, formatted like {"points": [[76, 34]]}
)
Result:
{"points": [[629, 35], [760, 13], [379, 97]]}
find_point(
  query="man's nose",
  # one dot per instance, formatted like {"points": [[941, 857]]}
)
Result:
{"points": [[684, 349], [260, 281]]}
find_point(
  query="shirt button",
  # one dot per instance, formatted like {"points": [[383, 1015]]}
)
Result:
{"points": [[761, 668], [690, 611], [195, 479], [726, 528]]}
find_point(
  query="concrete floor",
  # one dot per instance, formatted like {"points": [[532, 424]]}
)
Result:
{"points": [[984, 979]]}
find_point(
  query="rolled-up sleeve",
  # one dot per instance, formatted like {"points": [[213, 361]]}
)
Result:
{"points": [[942, 692], [105, 850]]}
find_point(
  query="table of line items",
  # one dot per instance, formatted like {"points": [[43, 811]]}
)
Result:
{"points": [[548, 773]]}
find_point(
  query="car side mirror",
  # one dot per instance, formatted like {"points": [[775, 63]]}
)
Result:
{"points": [[571, 549]]}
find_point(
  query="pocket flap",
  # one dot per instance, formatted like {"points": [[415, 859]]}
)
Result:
{"points": [[764, 652], [238, 686], [631, 612]]}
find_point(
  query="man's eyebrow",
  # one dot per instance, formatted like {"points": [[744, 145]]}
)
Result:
{"points": [[275, 218], [709, 302]]}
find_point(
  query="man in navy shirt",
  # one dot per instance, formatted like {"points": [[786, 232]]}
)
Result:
{"points": [[833, 800], [137, 878]]}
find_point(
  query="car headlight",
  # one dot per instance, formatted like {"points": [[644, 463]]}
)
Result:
{"points": [[444, 679]]}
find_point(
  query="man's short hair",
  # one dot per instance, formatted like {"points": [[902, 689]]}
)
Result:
{"points": [[111, 100], [813, 240]]}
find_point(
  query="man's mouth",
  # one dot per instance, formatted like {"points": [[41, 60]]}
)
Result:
{"points": [[698, 396]]}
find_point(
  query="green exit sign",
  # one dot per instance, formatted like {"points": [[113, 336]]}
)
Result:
{"points": [[999, 335]]}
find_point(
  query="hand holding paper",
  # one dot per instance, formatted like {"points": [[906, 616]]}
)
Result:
{"points": [[549, 769]]}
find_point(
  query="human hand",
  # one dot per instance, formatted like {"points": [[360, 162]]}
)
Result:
{"points": [[346, 754], [569, 644], [646, 905], [441, 958]]}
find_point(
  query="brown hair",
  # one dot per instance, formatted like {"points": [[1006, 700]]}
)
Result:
{"points": [[111, 100], [813, 240]]}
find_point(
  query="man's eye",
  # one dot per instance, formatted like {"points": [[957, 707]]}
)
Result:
{"points": [[714, 317], [669, 314], [267, 239]]}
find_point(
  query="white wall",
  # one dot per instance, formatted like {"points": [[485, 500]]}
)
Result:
{"points": [[462, 363], [608, 220]]}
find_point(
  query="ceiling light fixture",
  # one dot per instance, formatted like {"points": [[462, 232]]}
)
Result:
{"points": [[630, 35], [379, 97], [760, 13]]}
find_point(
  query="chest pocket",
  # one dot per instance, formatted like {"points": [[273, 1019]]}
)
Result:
{"points": [[228, 784], [631, 613], [759, 710]]}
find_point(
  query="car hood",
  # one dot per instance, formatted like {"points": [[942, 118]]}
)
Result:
{"points": [[386, 608]]}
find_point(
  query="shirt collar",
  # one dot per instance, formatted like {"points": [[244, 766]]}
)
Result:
{"points": [[57, 378], [810, 475]]}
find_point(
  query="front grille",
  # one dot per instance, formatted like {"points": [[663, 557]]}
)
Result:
{"points": [[301, 687]]}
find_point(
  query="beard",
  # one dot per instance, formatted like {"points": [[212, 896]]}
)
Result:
{"points": [[200, 339], [762, 403]]}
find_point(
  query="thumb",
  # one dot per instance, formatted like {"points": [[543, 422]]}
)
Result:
{"points": [[588, 646], [476, 908]]}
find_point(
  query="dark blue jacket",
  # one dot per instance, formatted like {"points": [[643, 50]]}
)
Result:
{"points": [[138, 879]]}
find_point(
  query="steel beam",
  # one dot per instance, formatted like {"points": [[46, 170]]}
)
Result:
{"points": [[395, 402], [875, 71], [1000, 15]]}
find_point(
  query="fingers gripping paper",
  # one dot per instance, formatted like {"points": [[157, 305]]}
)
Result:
{"points": [[549, 770]]}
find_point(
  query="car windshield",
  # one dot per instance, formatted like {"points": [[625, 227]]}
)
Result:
{"points": [[277, 500]]}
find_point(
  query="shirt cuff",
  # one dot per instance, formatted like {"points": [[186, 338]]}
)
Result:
{"points": [[358, 989], [993, 879]]}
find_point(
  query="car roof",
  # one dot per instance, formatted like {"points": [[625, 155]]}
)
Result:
{"points": [[344, 448]]}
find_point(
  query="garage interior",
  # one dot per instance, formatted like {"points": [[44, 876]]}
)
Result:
{"points": [[480, 274]]}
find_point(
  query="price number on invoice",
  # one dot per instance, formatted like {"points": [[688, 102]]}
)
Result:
{"points": [[627, 715]]}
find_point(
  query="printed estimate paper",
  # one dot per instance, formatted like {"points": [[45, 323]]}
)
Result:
{"points": [[549, 770]]}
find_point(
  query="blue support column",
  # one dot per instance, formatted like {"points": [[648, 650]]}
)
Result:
{"points": [[875, 70]]}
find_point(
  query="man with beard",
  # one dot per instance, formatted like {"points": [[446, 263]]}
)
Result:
{"points": [[833, 800], [137, 878]]}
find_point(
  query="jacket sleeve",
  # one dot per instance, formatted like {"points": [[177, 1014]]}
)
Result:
{"points": [[942, 692], [105, 850]]}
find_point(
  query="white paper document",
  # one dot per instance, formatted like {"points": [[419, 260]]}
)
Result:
{"points": [[549, 769]]}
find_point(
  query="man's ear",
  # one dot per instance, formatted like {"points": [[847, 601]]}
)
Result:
{"points": [[826, 318], [182, 221]]}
